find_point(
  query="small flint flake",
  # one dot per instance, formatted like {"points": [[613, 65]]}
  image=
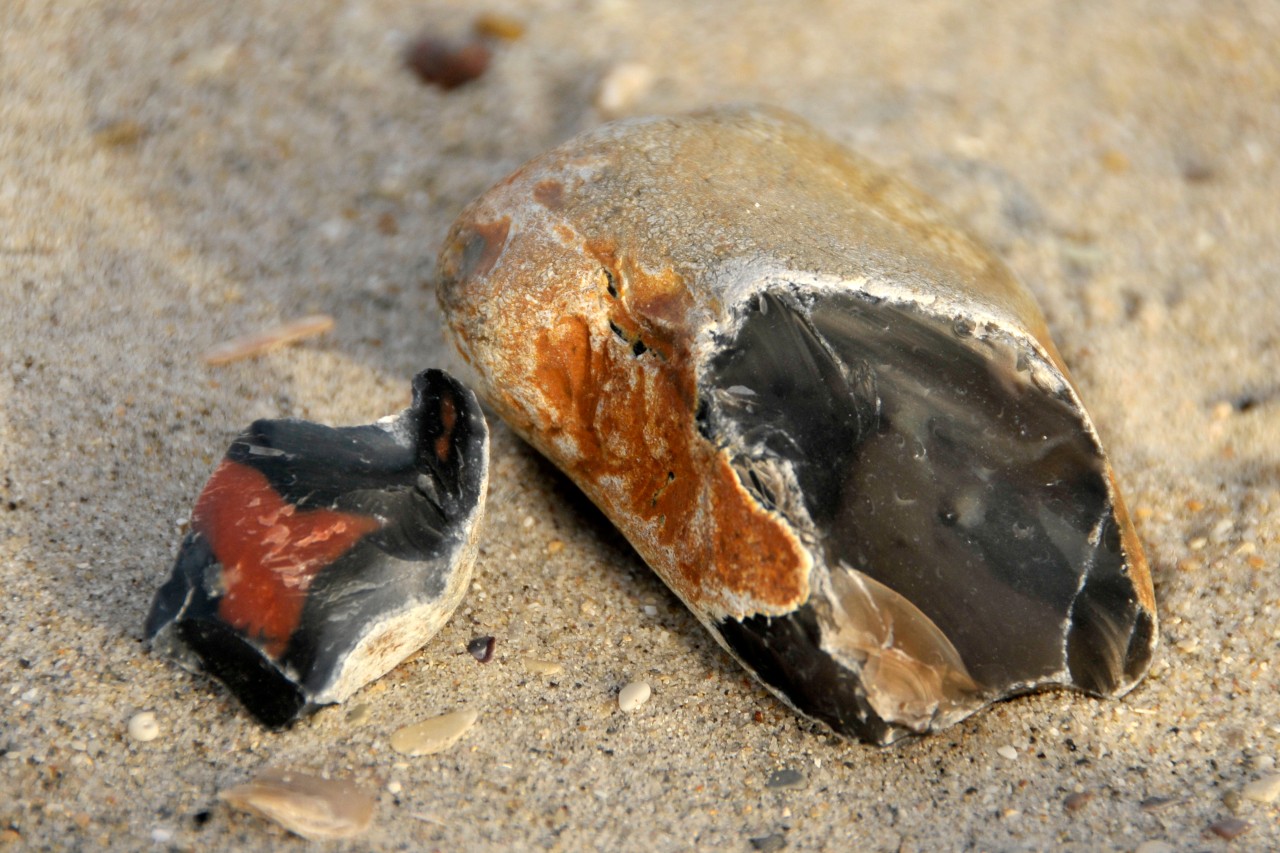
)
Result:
{"points": [[321, 557], [481, 648], [833, 423]]}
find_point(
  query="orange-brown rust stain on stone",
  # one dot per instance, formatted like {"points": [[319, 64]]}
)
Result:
{"points": [[654, 307], [604, 251], [484, 244], [767, 563], [549, 194], [633, 421], [1139, 571], [448, 417], [569, 377], [270, 550], [663, 307]]}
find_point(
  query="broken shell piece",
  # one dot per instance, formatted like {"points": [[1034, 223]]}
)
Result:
{"points": [[321, 557], [543, 667], [265, 341], [435, 734], [834, 424], [315, 808]]}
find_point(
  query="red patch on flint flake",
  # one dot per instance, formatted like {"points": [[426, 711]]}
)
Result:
{"points": [[269, 549], [448, 417]]}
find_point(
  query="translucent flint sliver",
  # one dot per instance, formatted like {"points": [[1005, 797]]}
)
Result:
{"points": [[832, 422], [320, 557]]}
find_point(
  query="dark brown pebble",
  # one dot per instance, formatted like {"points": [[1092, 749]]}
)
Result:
{"points": [[769, 843], [1230, 828], [1075, 802], [447, 64], [481, 648]]}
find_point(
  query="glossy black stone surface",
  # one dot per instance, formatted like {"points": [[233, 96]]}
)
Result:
{"points": [[928, 459], [309, 540]]}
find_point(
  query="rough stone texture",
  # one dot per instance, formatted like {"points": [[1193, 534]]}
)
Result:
{"points": [[1120, 158], [831, 423]]}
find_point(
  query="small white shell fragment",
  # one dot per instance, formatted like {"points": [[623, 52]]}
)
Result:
{"points": [[316, 809], [435, 734], [633, 695], [622, 86], [542, 667], [1009, 752], [1264, 790], [143, 727]]}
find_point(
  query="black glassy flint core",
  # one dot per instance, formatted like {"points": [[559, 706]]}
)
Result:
{"points": [[923, 520], [264, 690], [785, 653], [924, 461], [418, 480]]}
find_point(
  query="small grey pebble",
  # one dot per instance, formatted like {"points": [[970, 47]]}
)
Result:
{"points": [[1230, 828], [769, 843], [1159, 804], [785, 778]]}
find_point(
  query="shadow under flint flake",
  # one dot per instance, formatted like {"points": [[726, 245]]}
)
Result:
{"points": [[320, 557], [832, 422]]}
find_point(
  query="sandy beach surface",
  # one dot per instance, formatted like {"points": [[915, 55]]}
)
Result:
{"points": [[174, 175]]}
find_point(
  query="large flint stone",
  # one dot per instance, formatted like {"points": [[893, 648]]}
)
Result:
{"points": [[321, 557], [833, 423]]}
